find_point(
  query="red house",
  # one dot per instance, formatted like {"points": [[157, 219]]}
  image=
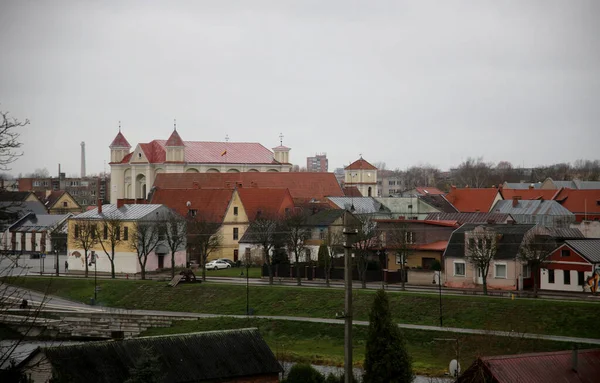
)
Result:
{"points": [[570, 265]]}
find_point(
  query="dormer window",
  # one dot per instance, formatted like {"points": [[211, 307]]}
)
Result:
{"points": [[139, 155], [65, 204]]}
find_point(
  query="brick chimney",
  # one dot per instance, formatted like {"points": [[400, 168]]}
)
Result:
{"points": [[120, 203], [516, 201]]}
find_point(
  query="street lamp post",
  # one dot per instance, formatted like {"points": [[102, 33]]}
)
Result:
{"points": [[57, 264], [247, 284], [439, 275]]}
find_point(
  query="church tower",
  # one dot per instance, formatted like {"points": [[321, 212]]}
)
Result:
{"points": [[119, 147], [281, 153], [363, 175], [175, 147]]}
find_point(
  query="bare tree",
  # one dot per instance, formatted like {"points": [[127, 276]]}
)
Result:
{"points": [[366, 240], [399, 239], [334, 241], [9, 140], [296, 233], [474, 172], [481, 246], [85, 236], [175, 228], [109, 234], [144, 238], [269, 233], [535, 250], [204, 239]]}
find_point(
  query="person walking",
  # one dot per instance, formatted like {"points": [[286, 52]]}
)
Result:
{"points": [[66, 267]]}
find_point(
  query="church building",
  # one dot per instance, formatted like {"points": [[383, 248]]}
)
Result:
{"points": [[363, 176], [132, 173]]}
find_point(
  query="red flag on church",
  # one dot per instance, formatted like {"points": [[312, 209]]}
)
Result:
{"points": [[224, 152]]}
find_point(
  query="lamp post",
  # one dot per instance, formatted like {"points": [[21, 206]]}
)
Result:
{"points": [[57, 264], [439, 275], [247, 283]]}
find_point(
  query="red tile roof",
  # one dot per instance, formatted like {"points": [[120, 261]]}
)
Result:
{"points": [[175, 140], [210, 204], [303, 187], [469, 200], [545, 194], [120, 141], [580, 200], [360, 164], [270, 202], [537, 367], [201, 152], [433, 246], [352, 191]]}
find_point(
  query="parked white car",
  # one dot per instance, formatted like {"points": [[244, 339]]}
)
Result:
{"points": [[217, 264]]}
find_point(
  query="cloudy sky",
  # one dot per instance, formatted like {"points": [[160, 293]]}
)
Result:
{"points": [[404, 82]]}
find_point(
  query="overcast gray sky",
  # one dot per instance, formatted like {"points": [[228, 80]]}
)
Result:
{"points": [[405, 82]]}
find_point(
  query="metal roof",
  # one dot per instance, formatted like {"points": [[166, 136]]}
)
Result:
{"points": [[587, 184], [401, 205], [531, 207], [522, 185], [589, 248], [39, 222], [362, 205], [125, 212], [324, 217], [470, 217]]}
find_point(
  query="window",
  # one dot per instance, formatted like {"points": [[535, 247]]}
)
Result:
{"points": [[105, 232], [235, 210], [94, 230], [125, 233], [235, 233], [118, 233], [65, 204], [409, 237], [459, 269], [36, 183], [321, 234], [567, 277], [192, 212], [550, 276], [76, 231], [580, 278], [500, 270], [526, 271], [565, 253]]}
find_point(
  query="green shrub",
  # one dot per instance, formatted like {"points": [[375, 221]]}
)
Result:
{"points": [[304, 373]]}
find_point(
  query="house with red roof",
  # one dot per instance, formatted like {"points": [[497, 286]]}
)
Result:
{"points": [[570, 265], [133, 172], [303, 187], [363, 176], [471, 200], [59, 202], [584, 203], [233, 209], [529, 194], [574, 366]]}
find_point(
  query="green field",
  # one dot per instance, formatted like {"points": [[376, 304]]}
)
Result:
{"points": [[323, 344], [520, 315]]}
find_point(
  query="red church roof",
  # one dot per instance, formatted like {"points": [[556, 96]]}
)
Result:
{"points": [[210, 204], [303, 187], [120, 141], [175, 140], [469, 200], [360, 164]]}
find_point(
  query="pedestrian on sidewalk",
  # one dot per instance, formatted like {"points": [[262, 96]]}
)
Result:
{"points": [[66, 267]]}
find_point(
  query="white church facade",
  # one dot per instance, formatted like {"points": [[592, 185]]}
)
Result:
{"points": [[132, 174]]}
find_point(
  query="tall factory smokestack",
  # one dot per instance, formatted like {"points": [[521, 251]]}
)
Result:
{"points": [[82, 159]]}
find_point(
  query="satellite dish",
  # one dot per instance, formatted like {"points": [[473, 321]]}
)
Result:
{"points": [[454, 368], [188, 204]]}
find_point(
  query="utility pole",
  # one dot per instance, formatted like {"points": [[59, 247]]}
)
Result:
{"points": [[348, 233]]}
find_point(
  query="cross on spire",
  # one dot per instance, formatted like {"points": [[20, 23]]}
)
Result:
{"points": [[119, 126], [174, 124], [281, 139], [226, 137]]}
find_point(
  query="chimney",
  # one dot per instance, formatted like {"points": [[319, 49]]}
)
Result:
{"points": [[98, 199], [48, 192], [516, 201], [82, 159], [120, 203], [574, 358]]}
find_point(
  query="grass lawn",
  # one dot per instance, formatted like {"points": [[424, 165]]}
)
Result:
{"points": [[254, 272], [324, 343], [519, 315]]}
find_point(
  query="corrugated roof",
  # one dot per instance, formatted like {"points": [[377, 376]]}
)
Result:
{"points": [[565, 233], [508, 245], [126, 212], [38, 222], [535, 368], [589, 248], [531, 207], [206, 356], [360, 164], [324, 217], [469, 200], [402, 205], [362, 205], [302, 186], [470, 217], [210, 204], [202, 152], [14, 196], [439, 202], [586, 185], [522, 185]]}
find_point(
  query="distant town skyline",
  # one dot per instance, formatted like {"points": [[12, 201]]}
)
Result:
{"points": [[402, 82]]}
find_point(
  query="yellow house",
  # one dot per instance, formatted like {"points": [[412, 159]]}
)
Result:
{"points": [[59, 202], [126, 260]]}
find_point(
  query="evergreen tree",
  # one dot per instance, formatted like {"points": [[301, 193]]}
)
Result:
{"points": [[386, 358]]}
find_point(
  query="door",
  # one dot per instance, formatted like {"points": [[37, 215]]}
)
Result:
{"points": [[161, 261], [235, 255], [479, 277]]}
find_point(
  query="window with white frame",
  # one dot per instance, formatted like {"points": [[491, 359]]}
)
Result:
{"points": [[459, 269], [500, 270]]}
